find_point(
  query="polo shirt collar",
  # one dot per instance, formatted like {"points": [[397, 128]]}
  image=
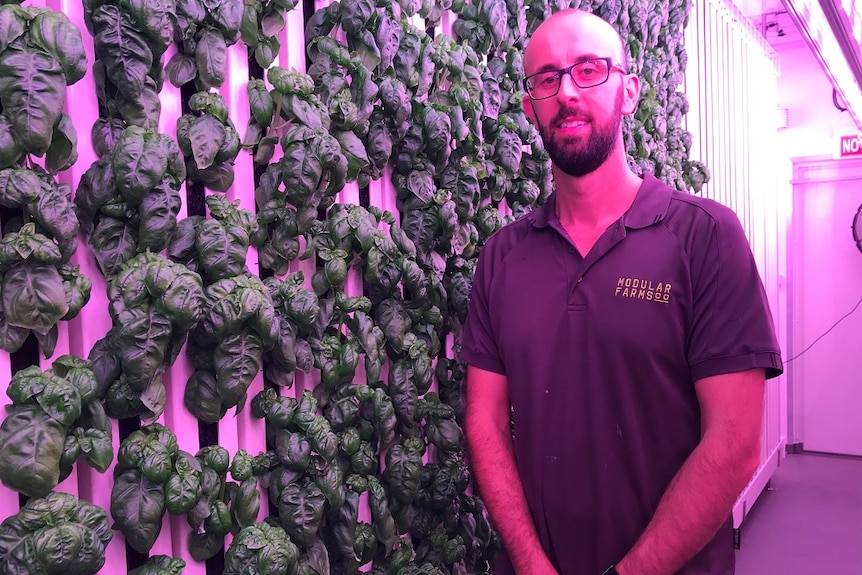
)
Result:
{"points": [[650, 206]]}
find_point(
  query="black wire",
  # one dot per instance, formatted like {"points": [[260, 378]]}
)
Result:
{"points": [[845, 316], [838, 106]]}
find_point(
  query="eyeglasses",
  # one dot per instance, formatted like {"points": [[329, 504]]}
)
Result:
{"points": [[585, 74]]}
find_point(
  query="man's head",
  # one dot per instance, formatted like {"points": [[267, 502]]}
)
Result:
{"points": [[580, 126]]}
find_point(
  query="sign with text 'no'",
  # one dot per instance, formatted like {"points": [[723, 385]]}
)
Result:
{"points": [[850, 146]]}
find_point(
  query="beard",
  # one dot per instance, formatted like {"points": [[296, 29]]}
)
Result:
{"points": [[577, 159]]}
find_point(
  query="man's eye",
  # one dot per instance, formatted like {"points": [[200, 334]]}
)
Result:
{"points": [[546, 80]]}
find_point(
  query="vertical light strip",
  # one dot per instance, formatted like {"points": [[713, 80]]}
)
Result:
{"points": [[731, 85]]}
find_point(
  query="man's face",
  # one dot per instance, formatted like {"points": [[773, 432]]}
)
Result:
{"points": [[581, 150], [580, 127]]}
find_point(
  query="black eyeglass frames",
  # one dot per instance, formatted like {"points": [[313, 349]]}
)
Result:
{"points": [[585, 74]]}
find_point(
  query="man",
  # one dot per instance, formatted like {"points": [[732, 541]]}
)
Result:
{"points": [[626, 327]]}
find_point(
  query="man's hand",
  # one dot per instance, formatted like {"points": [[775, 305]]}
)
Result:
{"points": [[701, 495], [492, 457]]}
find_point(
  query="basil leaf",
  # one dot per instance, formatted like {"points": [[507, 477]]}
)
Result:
{"points": [[158, 210], [246, 503], [300, 510], [13, 24], [143, 110], [33, 92], [201, 397], [137, 506], [141, 343], [227, 15], [181, 69], [155, 18], [53, 32], [31, 444], [261, 549], [53, 210], [10, 149], [182, 493], [293, 450], [139, 163], [211, 58], [160, 565], [421, 226], [273, 20], [98, 449], [237, 360], [33, 296], [11, 337], [95, 189], [261, 103], [18, 187], [403, 472], [206, 135], [122, 49]]}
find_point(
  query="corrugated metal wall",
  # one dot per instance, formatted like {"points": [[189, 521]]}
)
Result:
{"points": [[731, 85]]}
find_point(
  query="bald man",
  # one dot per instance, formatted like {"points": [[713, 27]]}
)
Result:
{"points": [[625, 327]]}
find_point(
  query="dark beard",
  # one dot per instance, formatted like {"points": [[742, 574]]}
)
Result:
{"points": [[578, 162]]}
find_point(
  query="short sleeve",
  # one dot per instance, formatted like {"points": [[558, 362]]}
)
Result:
{"points": [[478, 344], [732, 328]]}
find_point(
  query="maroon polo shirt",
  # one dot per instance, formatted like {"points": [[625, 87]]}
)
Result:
{"points": [[601, 355]]}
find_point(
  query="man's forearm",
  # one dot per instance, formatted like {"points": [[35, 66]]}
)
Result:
{"points": [[693, 508], [495, 472]]}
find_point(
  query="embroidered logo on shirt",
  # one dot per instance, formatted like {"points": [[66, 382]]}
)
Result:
{"points": [[636, 288]]}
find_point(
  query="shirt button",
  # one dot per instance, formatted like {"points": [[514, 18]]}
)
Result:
{"points": [[571, 250], [580, 279]]}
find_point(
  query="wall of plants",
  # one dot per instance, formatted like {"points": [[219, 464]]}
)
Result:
{"points": [[316, 299]]}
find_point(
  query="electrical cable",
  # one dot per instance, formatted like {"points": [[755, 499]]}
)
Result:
{"points": [[838, 106], [825, 333]]}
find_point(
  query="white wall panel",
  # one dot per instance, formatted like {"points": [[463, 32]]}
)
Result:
{"points": [[731, 84]]}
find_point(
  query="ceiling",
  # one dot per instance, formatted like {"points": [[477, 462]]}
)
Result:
{"points": [[771, 19]]}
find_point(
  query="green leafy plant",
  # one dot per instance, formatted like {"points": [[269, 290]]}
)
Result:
{"points": [[313, 168], [296, 312], [224, 506], [128, 200], [37, 284], [442, 115], [154, 304], [262, 21], [55, 418], [261, 549], [227, 346], [56, 534], [130, 38], [202, 34], [41, 53], [209, 141], [147, 463], [153, 476], [160, 565], [215, 247]]}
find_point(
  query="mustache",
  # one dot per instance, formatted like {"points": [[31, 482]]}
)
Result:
{"points": [[566, 113]]}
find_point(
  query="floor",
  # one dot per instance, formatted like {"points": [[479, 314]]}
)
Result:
{"points": [[808, 521]]}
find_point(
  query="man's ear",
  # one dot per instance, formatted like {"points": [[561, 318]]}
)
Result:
{"points": [[631, 93], [527, 105]]}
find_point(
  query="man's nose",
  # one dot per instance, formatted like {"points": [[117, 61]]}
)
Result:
{"points": [[568, 89]]}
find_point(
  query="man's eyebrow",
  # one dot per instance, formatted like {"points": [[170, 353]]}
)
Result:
{"points": [[578, 60]]}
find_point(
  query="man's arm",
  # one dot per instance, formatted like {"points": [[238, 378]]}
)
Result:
{"points": [[700, 497], [492, 456]]}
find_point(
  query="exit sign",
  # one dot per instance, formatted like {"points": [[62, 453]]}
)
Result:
{"points": [[850, 146]]}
